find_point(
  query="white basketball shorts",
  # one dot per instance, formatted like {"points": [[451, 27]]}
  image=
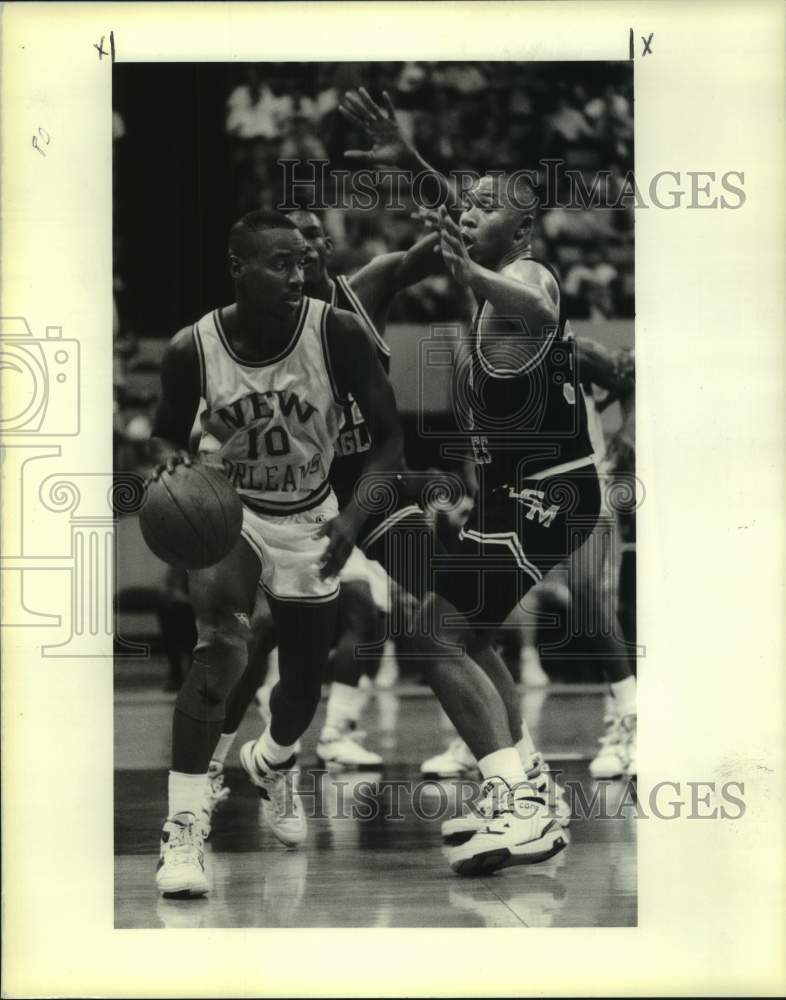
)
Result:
{"points": [[289, 550]]}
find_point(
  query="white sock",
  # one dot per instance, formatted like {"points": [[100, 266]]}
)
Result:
{"points": [[186, 792], [624, 692], [344, 704], [224, 745], [268, 753], [505, 764]]}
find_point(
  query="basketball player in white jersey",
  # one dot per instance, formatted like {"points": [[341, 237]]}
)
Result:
{"points": [[364, 585], [275, 369]]}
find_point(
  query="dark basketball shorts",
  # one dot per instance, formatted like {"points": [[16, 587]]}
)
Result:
{"points": [[514, 536]]}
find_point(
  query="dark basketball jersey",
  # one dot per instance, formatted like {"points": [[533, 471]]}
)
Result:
{"points": [[526, 413], [353, 439]]}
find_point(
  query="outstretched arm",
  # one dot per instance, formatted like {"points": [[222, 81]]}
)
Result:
{"points": [[595, 364], [378, 282], [177, 405], [358, 373], [390, 146]]}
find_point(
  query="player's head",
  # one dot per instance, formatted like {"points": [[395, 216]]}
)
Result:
{"points": [[266, 258], [497, 216], [320, 246]]}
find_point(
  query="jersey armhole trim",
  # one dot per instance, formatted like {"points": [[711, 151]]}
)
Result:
{"points": [[334, 388], [361, 311], [529, 365], [201, 358]]}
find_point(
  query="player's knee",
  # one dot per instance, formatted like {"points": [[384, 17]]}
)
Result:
{"points": [[222, 632], [220, 656]]}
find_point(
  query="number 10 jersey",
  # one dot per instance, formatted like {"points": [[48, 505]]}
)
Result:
{"points": [[271, 425]]}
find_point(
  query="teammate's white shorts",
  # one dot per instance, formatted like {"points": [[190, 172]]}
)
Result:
{"points": [[289, 549], [360, 567]]}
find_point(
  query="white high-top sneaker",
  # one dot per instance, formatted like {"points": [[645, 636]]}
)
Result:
{"points": [[341, 747], [460, 828], [181, 865], [455, 762], [520, 830], [617, 755], [280, 803], [215, 793]]}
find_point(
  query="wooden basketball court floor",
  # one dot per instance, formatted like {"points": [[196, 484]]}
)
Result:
{"points": [[373, 856]]}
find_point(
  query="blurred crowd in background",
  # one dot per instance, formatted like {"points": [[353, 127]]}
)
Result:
{"points": [[460, 116]]}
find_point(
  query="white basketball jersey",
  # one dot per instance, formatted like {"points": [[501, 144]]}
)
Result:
{"points": [[270, 425]]}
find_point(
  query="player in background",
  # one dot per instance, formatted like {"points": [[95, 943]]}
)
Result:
{"points": [[613, 374], [369, 294], [536, 487], [364, 586], [275, 369]]}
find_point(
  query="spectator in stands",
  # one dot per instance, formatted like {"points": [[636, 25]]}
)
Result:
{"points": [[253, 110], [588, 285]]}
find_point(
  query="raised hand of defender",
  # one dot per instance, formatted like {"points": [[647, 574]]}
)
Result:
{"points": [[389, 145], [454, 253]]}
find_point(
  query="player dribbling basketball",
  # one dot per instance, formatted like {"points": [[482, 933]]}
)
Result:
{"points": [[364, 587], [275, 369]]}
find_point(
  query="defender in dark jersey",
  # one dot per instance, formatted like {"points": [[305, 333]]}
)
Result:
{"points": [[537, 495], [537, 492]]}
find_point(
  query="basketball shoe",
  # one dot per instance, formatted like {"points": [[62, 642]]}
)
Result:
{"points": [[617, 755], [341, 747], [460, 828], [455, 762], [519, 830], [181, 866], [215, 793], [279, 802]]}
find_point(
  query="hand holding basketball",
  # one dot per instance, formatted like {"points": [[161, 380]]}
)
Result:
{"points": [[174, 458]]}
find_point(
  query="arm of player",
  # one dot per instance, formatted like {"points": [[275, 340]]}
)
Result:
{"points": [[358, 373], [595, 364], [389, 143], [378, 282], [177, 405]]}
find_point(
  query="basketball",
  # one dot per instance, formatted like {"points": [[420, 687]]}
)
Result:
{"points": [[192, 517]]}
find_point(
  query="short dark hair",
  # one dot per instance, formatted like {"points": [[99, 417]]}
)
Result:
{"points": [[260, 221], [520, 190]]}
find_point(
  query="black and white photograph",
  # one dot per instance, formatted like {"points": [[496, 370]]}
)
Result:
{"points": [[374, 348], [391, 421]]}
